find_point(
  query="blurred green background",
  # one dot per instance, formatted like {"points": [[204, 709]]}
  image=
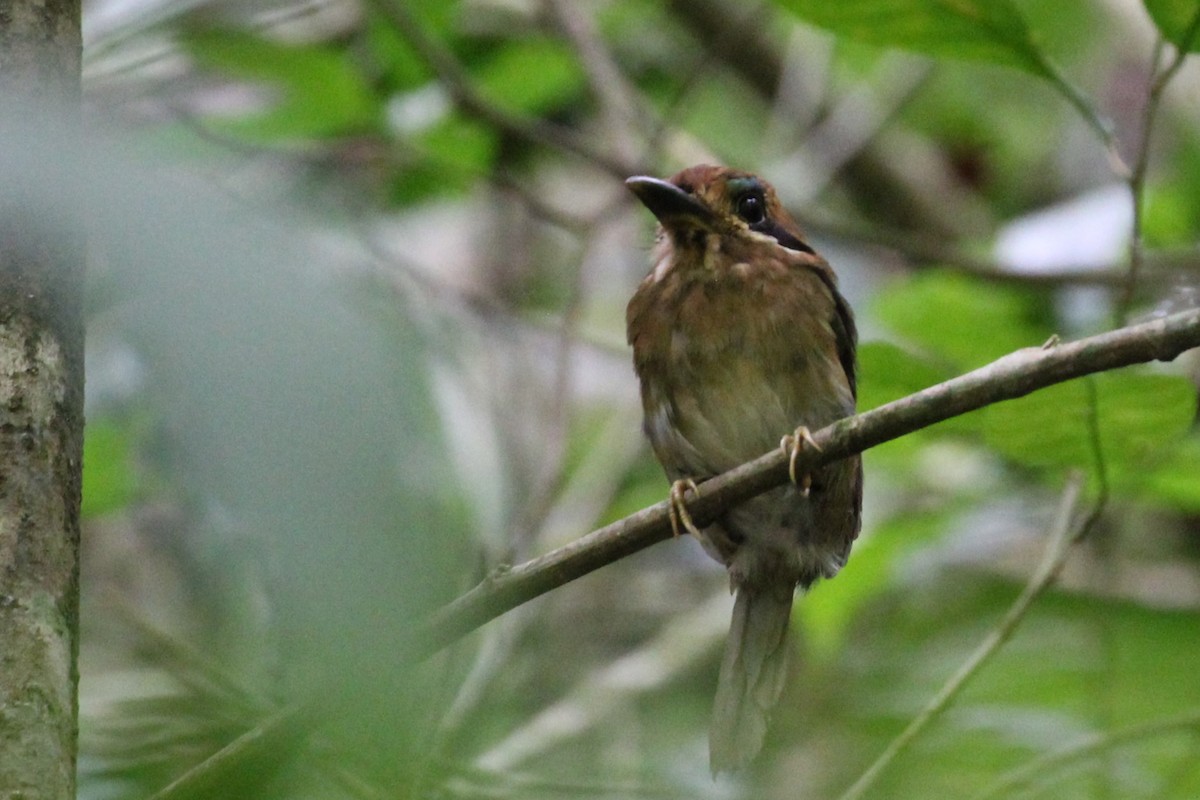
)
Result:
{"points": [[357, 280]]}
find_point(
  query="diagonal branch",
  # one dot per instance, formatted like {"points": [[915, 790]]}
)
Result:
{"points": [[467, 97], [1012, 376], [1011, 783]]}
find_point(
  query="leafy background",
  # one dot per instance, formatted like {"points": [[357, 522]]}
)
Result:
{"points": [[356, 339]]}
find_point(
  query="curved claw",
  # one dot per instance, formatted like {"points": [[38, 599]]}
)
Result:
{"points": [[678, 510], [792, 445]]}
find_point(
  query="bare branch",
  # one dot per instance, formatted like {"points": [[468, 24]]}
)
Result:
{"points": [[1012, 376]]}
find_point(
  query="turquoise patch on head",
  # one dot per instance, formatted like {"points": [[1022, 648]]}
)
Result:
{"points": [[743, 185]]}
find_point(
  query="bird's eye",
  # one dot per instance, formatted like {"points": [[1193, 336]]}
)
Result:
{"points": [[751, 208]]}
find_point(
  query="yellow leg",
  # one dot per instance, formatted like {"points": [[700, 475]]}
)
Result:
{"points": [[792, 446], [678, 510]]}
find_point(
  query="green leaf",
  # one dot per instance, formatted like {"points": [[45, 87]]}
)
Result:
{"points": [[1139, 414], [388, 50], [887, 372], [1171, 217], [966, 322], [534, 75], [402, 68], [832, 607], [719, 111], [109, 482], [1173, 482], [1178, 21], [460, 144], [1079, 665], [452, 154], [322, 93], [992, 31]]}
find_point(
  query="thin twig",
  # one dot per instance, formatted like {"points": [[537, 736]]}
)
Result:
{"points": [[726, 29], [1099, 461], [935, 251], [539, 208], [287, 728], [1100, 465], [1012, 376], [622, 107], [851, 125], [1009, 784], [674, 649], [1055, 557], [1137, 176], [1102, 127], [1137, 182], [1064, 534], [462, 91]]}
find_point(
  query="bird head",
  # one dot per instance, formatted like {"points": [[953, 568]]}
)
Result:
{"points": [[703, 200]]}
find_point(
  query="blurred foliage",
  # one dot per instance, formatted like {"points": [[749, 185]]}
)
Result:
{"points": [[1172, 209], [1179, 21], [322, 93], [963, 322], [375, 293], [977, 30], [110, 482], [1100, 675]]}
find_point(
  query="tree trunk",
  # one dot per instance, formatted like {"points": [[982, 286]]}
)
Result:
{"points": [[41, 398]]}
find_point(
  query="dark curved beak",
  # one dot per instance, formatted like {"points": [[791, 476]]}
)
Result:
{"points": [[673, 206]]}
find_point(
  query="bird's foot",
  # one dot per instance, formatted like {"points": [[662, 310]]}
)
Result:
{"points": [[792, 445], [678, 510]]}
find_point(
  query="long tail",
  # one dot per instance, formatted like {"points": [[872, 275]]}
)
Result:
{"points": [[752, 675]]}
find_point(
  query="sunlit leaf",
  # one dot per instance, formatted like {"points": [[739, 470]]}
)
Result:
{"points": [[1077, 666], [1171, 217], [1175, 480], [452, 153], [887, 372], [828, 611], [109, 482], [461, 145], [534, 76], [975, 30], [321, 91], [403, 69], [719, 112], [965, 321], [1138, 415]]}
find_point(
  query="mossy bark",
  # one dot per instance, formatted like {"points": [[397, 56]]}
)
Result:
{"points": [[41, 402]]}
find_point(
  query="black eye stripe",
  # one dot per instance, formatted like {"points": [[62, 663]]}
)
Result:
{"points": [[781, 235]]}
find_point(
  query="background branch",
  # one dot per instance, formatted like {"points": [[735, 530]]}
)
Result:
{"points": [[1007, 378], [1012, 782], [458, 83], [1065, 532], [1159, 78], [1062, 536]]}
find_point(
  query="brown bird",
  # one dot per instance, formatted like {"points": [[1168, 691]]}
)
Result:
{"points": [[739, 335]]}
